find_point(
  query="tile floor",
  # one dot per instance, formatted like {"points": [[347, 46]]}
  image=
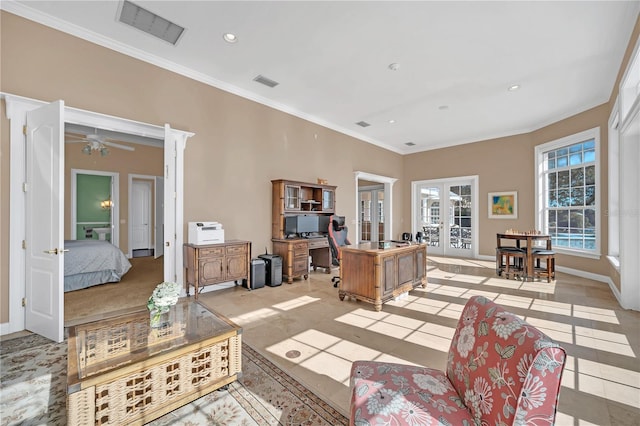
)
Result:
{"points": [[305, 329]]}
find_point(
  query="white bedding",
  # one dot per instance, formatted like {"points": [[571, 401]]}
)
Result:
{"points": [[92, 262]]}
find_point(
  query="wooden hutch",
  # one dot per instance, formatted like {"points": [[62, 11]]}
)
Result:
{"points": [[291, 198]]}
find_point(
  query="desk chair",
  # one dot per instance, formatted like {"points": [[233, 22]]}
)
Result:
{"points": [[337, 238]]}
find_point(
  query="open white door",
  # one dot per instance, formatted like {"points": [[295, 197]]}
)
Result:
{"points": [[44, 221], [170, 273], [159, 218]]}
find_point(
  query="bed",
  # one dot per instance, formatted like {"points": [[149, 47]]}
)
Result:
{"points": [[92, 262]]}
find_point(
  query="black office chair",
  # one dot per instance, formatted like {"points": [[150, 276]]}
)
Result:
{"points": [[337, 238]]}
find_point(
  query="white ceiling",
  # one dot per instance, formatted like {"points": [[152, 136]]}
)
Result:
{"points": [[331, 59]]}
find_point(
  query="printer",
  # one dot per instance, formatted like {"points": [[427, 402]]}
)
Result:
{"points": [[202, 233]]}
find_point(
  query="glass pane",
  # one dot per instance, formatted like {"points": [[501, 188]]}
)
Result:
{"points": [[590, 219], [577, 176], [575, 159], [465, 190], [552, 180], [563, 179], [575, 148], [590, 144], [563, 161], [577, 197], [563, 218], [551, 218], [553, 198], [562, 152], [590, 196], [552, 164], [564, 200], [590, 175], [576, 220], [589, 156]]}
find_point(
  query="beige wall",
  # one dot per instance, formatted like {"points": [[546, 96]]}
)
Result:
{"points": [[145, 160], [238, 148], [240, 145], [507, 164]]}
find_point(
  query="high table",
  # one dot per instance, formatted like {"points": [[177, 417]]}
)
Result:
{"points": [[529, 240]]}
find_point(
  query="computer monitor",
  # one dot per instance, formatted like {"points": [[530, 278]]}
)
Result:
{"points": [[307, 224], [323, 224], [291, 225]]}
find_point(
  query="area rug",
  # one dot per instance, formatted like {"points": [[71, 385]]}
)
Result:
{"points": [[33, 378]]}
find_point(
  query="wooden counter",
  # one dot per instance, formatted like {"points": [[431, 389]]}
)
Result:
{"points": [[378, 275]]}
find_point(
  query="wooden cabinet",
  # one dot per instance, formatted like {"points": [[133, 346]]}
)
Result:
{"points": [[292, 198], [378, 275], [295, 257], [216, 263]]}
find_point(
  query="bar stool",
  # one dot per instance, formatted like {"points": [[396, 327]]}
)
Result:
{"points": [[511, 260], [549, 270]]}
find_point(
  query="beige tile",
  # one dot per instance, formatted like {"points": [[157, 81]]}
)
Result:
{"points": [[600, 385]]}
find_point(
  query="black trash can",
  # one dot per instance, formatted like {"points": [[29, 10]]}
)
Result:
{"points": [[273, 269]]}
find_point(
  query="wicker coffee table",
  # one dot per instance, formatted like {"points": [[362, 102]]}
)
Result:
{"points": [[122, 371]]}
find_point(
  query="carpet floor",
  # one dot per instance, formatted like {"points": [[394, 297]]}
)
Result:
{"points": [[32, 392]]}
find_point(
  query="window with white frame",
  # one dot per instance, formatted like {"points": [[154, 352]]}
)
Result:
{"points": [[568, 192]]}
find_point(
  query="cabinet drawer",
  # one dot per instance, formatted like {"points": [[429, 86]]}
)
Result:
{"points": [[234, 250], [318, 243], [300, 246], [211, 252], [300, 265]]}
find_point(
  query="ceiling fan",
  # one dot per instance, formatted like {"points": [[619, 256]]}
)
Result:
{"points": [[95, 143]]}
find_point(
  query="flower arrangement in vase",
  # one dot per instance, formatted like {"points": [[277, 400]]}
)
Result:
{"points": [[163, 297]]}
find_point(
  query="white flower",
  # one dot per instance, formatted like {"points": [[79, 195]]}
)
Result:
{"points": [[164, 295], [430, 383]]}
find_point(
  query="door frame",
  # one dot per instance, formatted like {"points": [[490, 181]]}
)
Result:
{"points": [[388, 198], [16, 108], [151, 180], [415, 206], [115, 199]]}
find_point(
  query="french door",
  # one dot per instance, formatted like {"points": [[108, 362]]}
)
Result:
{"points": [[371, 213], [445, 211]]}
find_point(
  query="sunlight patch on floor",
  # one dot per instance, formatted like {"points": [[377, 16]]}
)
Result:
{"points": [[602, 380], [429, 306], [257, 315], [327, 355], [429, 335], [296, 303]]}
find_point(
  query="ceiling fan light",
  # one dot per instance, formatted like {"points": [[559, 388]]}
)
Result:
{"points": [[87, 149], [104, 151]]}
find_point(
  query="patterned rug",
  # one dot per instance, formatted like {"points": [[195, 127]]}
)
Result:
{"points": [[33, 378]]}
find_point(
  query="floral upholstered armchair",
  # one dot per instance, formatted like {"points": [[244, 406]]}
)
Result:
{"points": [[500, 371]]}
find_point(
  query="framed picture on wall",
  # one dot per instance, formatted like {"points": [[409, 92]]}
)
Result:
{"points": [[503, 205]]}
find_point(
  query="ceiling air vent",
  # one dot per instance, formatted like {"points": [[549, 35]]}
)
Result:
{"points": [[410, 144], [150, 23], [266, 81], [363, 124]]}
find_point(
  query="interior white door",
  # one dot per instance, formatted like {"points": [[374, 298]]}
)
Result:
{"points": [[44, 221], [171, 157], [141, 215], [159, 218]]}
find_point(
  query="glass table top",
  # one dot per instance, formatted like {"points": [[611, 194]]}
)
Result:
{"points": [[108, 344]]}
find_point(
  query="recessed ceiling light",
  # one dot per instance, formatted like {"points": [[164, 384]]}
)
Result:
{"points": [[443, 107], [394, 66], [392, 121], [410, 144], [229, 37], [513, 87]]}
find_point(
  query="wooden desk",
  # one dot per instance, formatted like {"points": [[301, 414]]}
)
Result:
{"points": [[378, 275], [529, 240]]}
